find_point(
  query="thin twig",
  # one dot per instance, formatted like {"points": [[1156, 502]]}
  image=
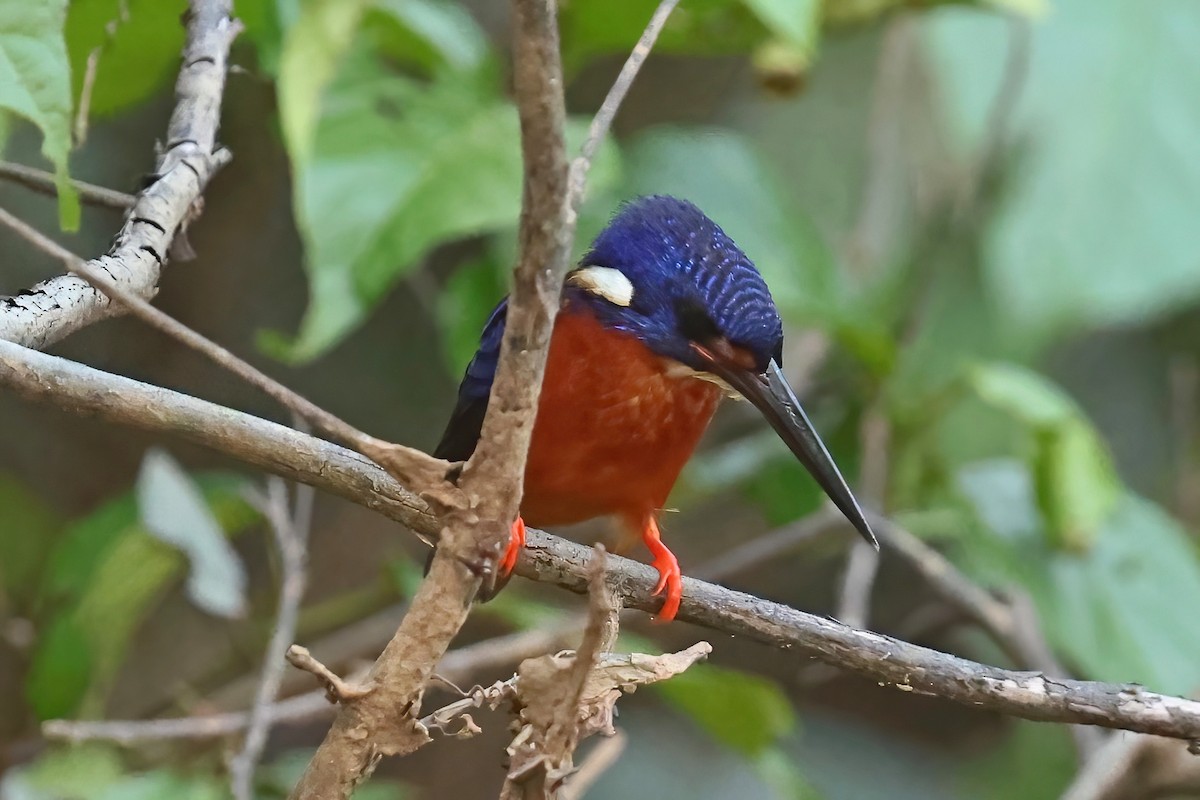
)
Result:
{"points": [[612, 101], [542, 752], [1183, 381], [39, 180], [1000, 113], [281, 450], [411, 466], [83, 107], [772, 546], [1105, 770], [598, 761], [890, 98], [458, 665], [858, 579], [291, 532]]}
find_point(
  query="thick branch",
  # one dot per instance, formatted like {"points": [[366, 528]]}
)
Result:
{"points": [[83, 390], [495, 472], [477, 519], [60, 306]]}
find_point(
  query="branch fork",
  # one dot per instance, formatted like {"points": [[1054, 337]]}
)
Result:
{"points": [[336, 690]]}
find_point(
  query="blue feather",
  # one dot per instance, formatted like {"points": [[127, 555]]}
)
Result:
{"points": [[687, 275]]}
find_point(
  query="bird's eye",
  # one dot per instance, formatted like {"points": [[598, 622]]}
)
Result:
{"points": [[605, 282], [694, 322]]}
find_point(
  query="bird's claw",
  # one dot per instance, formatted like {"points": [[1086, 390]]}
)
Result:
{"points": [[670, 580], [516, 543]]}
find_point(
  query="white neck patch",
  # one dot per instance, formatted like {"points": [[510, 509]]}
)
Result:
{"points": [[606, 282]]}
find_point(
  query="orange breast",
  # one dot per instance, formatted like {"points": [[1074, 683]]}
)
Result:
{"points": [[613, 429]]}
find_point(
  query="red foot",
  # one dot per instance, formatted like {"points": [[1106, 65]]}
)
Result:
{"points": [[670, 578], [515, 544]]}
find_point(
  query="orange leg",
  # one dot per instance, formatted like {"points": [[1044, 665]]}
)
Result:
{"points": [[670, 578], [515, 544]]}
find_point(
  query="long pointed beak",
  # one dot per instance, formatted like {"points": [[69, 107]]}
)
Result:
{"points": [[773, 396]]}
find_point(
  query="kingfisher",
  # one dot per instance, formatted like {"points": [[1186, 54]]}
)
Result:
{"points": [[663, 317]]}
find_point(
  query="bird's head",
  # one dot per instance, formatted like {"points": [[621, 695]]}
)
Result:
{"points": [[665, 273]]}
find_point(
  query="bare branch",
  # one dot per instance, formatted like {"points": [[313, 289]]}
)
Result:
{"points": [[862, 566], [43, 182], [494, 474], [286, 452], [1131, 765], [291, 530], [477, 519], [294, 455], [337, 690], [60, 306], [549, 695], [410, 466]]}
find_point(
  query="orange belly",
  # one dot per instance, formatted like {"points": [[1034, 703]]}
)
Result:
{"points": [[613, 429]]}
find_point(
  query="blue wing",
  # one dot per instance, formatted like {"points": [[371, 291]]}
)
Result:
{"points": [[462, 432]]}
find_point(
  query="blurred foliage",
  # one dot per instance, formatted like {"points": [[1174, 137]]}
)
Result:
{"points": [[746, 713], [97, 772], [135, 44], [1015, 221], [87, 585], [1116, 155]]}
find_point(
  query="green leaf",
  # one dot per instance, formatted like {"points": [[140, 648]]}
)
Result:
{"points": [[1076, 482], [60, 672], [1024, 394], [174, 511], [797, 21], [1094, 228], [746, 712], [399, 168], [31, 528], [1117, 610], [431, 33], [90, 583], [35, 84], [591, 27], [137, 42], [384, 188], [1121, 610], [721, 173], [312, 49]]}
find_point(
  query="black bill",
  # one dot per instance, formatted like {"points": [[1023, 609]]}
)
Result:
{"points": [[773, 396]]}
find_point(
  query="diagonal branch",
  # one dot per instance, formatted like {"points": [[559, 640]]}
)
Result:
{"points": [[477, 518], [291, 531], [276, 448], [612, 101], [408, 465], [43, 182], [60, 306]]}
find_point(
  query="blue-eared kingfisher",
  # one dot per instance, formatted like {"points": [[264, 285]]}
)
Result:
{"points": [[661, 318]]}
